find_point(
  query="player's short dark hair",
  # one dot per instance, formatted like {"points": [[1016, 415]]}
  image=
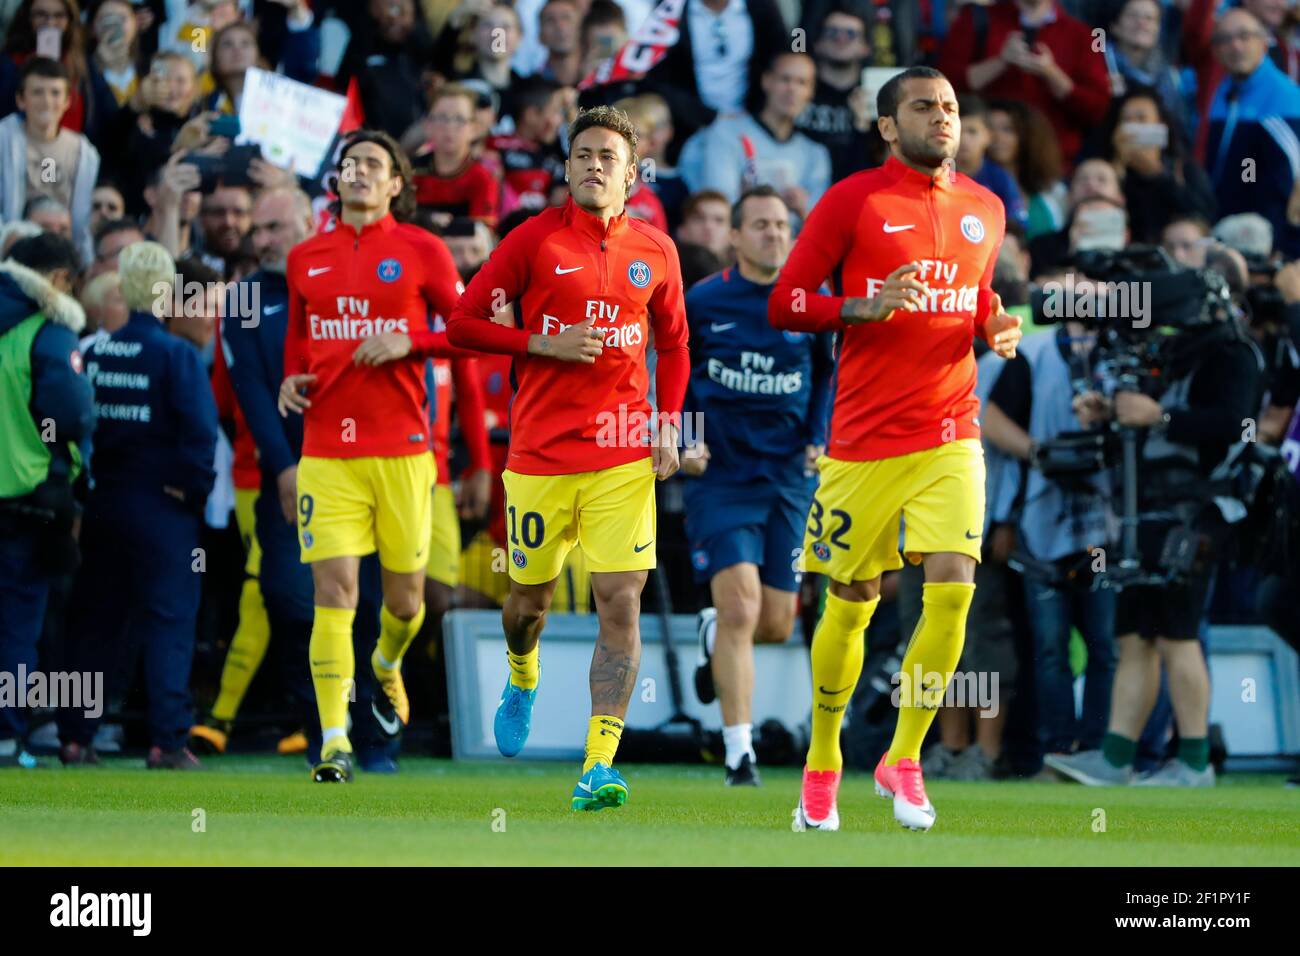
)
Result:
{"points": [[891, 94], [762, 191], [46, 253], [403, 205], [606, 117], [45, 68]]}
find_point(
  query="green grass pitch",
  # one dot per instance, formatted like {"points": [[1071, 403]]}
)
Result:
{"points": [[264, 810]]}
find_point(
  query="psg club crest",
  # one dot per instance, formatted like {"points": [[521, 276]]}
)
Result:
{"points": [[794, 336], [972, 228], [700, 559], [390, 270], [307, 539], [822, 550], [639, 274], [520, 559]]}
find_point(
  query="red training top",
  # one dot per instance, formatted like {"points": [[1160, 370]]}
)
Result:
{"points": [[561, 267], [1072, 45], [909, 383], [344, 287]]}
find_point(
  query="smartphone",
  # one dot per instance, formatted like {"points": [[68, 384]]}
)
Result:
{"points": [[1147, 134], [228, 169], [226, 125], [49, 43]]}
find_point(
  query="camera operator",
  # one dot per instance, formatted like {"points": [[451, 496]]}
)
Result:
{"points": [[1206, 390], [1280, 425], [1060, 524]]}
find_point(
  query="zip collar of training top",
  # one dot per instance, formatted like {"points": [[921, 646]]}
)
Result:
{"points": [[387, 224], [898, 171], [591, 225]]}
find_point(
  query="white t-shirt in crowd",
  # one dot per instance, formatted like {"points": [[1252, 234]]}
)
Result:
{"points": [[721, 44]]}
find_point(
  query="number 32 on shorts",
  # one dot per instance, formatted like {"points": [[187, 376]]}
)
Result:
{"points": [[532, 527], [816, 527]]}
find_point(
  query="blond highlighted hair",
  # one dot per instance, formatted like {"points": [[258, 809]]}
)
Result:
{"points": [[148, 273]]}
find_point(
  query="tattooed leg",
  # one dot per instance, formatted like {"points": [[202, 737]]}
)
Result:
{"points": [[618, 647]]}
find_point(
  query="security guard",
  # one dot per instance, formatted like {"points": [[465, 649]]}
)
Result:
{"points": [[153, 469], [46, 411]]}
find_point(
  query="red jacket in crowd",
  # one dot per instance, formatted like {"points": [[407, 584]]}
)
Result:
{"points": [[1072, 45]]}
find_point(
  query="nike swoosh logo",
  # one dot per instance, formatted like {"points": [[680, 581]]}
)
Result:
{"points": [[390, 728], [973, 537], [316, 272], [565, 272], [272, 309], [834, 693], [583, 786], [889, 228], [641, 547], [715, 327]]}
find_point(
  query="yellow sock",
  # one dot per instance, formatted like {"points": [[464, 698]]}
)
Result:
{"points": [[837, 650], [931, 657], [247, 648], [332, 671], [395, 636], [603, 734], [524, 669]]}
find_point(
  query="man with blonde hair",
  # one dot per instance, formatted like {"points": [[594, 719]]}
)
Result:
{"points": [[155, 440], [106, 310]]}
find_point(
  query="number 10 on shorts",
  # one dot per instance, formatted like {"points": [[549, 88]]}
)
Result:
{"points": [[532, 528]]}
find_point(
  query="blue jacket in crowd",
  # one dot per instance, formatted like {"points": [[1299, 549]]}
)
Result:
{"points": [[1257, 119]]}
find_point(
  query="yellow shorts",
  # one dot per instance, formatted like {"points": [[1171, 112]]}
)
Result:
{"points": [[444, 541], [483, 568], [610, 513], [938, 493], [245, 500], [351, 507]]}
